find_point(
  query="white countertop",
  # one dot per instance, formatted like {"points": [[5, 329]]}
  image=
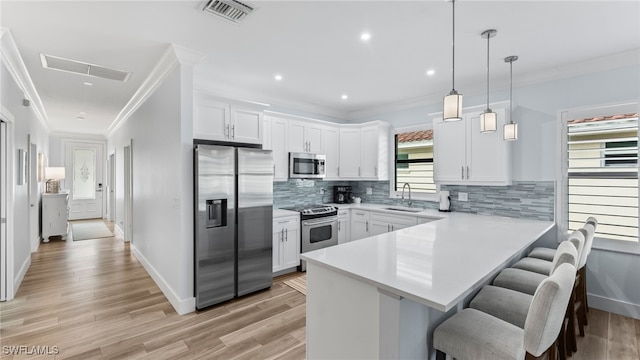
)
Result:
{"points": [[424, 213], [278, 213], [438, 263]]}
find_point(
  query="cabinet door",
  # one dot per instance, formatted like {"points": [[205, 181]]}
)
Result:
{"points": [[370, 148], [313, 136], [350, 150], [449, 150], [332, 151], [246, 125], [291, 248], [487, 153], [266, 133], [277, 250], [359, 224], [344, 232], [378, 227], [297, 141], [279, 147], [211, 120]]}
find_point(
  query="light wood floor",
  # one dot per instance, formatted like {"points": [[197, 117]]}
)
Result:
{"points": [[92, 300]]}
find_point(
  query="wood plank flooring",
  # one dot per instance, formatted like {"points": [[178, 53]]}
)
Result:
{"points": [[92, 300]]}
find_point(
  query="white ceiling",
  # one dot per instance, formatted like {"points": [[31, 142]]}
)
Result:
{"points": [[316, 47]]}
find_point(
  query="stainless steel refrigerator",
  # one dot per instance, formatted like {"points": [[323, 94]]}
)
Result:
{"points": [[233, 222]]}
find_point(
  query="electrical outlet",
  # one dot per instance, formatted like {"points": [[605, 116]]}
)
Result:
{"points": [[462, 196], [369, 191], [323, 191]]}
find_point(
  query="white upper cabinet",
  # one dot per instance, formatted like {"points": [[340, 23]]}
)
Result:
{"points": [[375, 152], [277, 142], [350, 153], [364, 152], [216, 119], [464, 155], [305, 137], [331, 147]]}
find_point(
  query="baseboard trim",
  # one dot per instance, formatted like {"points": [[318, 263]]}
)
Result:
{"points": [[614, 306], [20, 276], [119, 232], [182, 306]]}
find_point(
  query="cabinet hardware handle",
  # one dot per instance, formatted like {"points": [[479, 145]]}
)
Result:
{"points": [[286, 235], [338, 225], [338, 170], [393, 228], [388, 227], [367, 225], [283, 222], [376, 170], [358, 170], [282, 235], [233, 131], [274, 169], [467, 173], [227, 133], [462, 168]]}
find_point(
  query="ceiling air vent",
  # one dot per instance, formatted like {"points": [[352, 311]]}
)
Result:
{"points": [[82, 68], [231, 10]]}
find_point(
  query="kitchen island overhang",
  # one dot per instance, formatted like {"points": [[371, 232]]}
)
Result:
{"points": [[381, 297]]}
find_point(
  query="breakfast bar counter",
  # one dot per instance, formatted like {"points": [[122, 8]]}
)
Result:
{"points": [[381, 297]]}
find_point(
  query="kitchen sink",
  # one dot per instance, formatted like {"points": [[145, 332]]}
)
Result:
{"points": [[405, 209]]}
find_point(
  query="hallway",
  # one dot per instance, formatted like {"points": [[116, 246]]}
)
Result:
{"points": [[91, 299]]}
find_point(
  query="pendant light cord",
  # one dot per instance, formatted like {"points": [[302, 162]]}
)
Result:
{"points": [[511, 92], [488, 37], [453, 61]]}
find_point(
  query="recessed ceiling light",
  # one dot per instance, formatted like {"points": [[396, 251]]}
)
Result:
{"points": [[88, 83], [430, 72], [278, 77], [365, 36], [344, 97]]}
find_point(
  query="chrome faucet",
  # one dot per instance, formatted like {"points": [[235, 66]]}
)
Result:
{"points": [[403, 186]]}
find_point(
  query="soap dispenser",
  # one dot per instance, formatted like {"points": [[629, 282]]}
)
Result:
{"points": [[445, 201]]}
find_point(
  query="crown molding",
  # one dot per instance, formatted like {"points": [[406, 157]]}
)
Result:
{"points": [[173, 57], [15, 65]]}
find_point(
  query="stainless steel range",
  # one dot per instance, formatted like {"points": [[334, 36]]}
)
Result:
{"points": [[319, 227]]}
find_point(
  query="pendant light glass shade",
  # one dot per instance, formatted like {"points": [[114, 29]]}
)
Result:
{"points": [[453, 106], [452, 103], [510, 129], [488, 119]]}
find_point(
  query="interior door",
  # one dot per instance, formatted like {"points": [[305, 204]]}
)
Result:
{"points": [[34, 218], [3, 210], [84, 178]]}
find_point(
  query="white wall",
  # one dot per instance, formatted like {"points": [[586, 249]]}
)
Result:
{"points": [[25, 123], [162, 136], [612, 276]]}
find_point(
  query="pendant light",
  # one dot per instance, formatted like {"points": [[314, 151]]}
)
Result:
{"points": [[488, 119], [511, 128], [453, 101]]}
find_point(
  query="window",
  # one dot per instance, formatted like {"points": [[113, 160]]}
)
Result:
{"points": [[602, 175], [414, 161]]}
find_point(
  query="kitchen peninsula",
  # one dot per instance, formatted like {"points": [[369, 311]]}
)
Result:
{"points": [[381, 297]]}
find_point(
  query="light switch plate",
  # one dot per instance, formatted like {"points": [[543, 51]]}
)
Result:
{"points": [[462, 196], [369, 191]]}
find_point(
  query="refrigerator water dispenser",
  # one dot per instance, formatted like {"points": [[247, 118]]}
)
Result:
{"points": [[216, 213]]}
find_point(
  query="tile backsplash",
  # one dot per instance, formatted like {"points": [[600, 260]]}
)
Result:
{"points": [[523, 199]]}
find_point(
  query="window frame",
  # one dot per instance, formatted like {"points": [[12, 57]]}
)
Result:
{"points": [[435, 197], [562, 178]]}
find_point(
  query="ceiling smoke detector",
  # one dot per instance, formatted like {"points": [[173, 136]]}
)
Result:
{"points": [[231, 10], [82, 68]]}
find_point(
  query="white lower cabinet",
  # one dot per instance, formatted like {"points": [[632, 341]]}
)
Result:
{"points": [[382, 223], [344, 228], [286, 242], [55, 212], [359, 224]]}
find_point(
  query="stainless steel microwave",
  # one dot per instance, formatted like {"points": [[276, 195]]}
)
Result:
{"points": [[306, 166]]}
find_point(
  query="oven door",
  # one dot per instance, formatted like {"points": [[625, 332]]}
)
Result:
{"points": [[319, 233]]}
